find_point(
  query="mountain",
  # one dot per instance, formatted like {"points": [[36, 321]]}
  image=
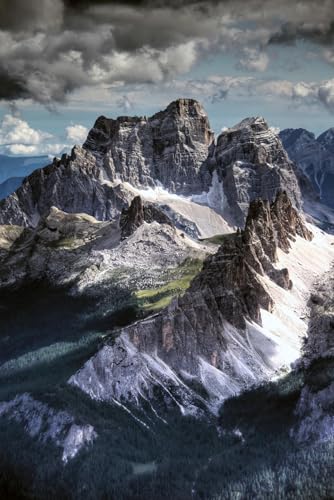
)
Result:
{"points": [[9, 186], [20, 166], [168, 148], [173, 150], [314, 157], [251, 163], [72, 184], [326, 139], [156, 289], [315, 408], [96, 258], [204, 337]]}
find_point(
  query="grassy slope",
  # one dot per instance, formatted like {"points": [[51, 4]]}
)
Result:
{"points": [[154, 299]]}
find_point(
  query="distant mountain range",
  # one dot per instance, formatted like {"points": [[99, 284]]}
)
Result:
{"points": [[315, 158], [13, 169], [9, 186], [20, 166]]}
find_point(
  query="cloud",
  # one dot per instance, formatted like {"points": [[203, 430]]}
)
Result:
{"points": [[15, 130], [328, 55], [31, 15], [253, 60], [76, 134], [326, 95], [52, 48], [216, 88], [17, 137], [125, 104]]}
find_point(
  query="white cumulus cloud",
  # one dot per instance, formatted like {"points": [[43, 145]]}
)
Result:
{"points": [[76, 134], [17, 137]]}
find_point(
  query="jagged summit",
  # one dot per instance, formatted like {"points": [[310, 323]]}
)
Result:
{"points": [[254, 122], [174, 148], [72, 184], [204, 336], [170, 147], [251, 163], [138, 213], [327, 139]]}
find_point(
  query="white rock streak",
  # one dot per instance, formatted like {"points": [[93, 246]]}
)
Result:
{"points": [[47, 424]]}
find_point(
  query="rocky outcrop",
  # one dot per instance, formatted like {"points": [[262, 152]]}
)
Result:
{"points": [[174, 148], [168, 148], [314, 157], [203, 336], [90, 256], [72, 184], [49, 425], [138, 213], [315, 409], [251, 163]]}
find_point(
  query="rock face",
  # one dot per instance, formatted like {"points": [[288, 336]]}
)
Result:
{"points": [[138, 213], [79, 251], [174, 148], [203, 336], [314, 157], [49, 425], [72, 184], [251, 163], [316, 405], [168, 148]]}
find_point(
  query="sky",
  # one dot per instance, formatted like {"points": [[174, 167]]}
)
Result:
{"points": [[65, 62]]}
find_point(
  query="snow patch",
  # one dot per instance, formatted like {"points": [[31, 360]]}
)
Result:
{"points": [[202, 211]]}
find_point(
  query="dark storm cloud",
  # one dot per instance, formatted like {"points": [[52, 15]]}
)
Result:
{"points": [[49, 48], [289, 33], [11, 87]]}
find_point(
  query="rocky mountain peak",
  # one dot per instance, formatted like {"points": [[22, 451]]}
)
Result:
{"points": [[204, 335], [313, 158], [138, 213], [256, 143], [290, 136], [251, 163], [327, 139], [132, 217], [169, 148], [257, 123]]}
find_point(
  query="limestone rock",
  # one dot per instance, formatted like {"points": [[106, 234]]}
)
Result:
{"points": [[251, 163], [138, 213], [72, 184], [315, 408], [201, 336], [169, 148]]}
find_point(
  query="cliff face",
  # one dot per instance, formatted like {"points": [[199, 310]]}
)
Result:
{"points": [[168, 148], [314, 158], [94, 257], [316, 405], [138, 213], [251, 163], [174, 148], [72, 184], [202, 336]]}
